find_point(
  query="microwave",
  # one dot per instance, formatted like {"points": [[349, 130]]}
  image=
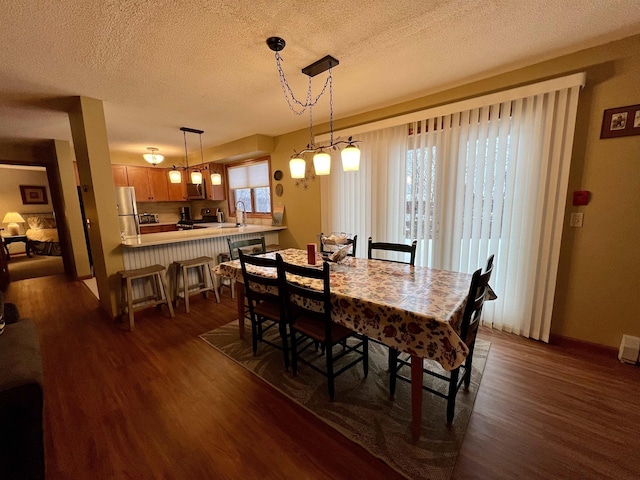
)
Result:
{"points": [[196, 191]]}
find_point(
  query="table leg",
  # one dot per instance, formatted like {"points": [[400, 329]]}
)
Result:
{"points": [[240, 300], [416, 396]]}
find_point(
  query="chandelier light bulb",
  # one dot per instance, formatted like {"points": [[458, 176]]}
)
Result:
{"points": [[196, 177], [322, 163], [297, 167], [175, 176], [350, 158]]}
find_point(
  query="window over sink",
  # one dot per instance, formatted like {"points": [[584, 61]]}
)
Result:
{"points": [[250, 183]]}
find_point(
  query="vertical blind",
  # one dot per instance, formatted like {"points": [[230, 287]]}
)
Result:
{"points": [[470, 180]]}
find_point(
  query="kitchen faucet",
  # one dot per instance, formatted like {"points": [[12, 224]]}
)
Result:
{"points": [[244, 210]]}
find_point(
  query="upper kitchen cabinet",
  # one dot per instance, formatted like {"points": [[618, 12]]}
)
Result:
{"points": [[215, 192], [119, 175], [150, 183], [177, 191]]}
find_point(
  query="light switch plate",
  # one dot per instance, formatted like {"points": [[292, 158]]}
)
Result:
{"points": [[576, 220]]}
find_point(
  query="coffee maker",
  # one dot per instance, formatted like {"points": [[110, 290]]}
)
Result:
{"points": [[185, 214]]}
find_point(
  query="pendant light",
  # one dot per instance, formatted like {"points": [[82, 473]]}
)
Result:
{"points": [[321, 159], [175, 175]]}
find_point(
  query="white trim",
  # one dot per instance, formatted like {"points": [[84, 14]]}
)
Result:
{"points": [[576, 79]]}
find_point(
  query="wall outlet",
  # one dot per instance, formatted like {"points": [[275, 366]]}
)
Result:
{"points": [[576, 220]]}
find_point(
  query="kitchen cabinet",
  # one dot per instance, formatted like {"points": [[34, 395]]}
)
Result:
{"points": [[177, 191], [150, 183], [119, 175], [215, 192], [158, 228]]}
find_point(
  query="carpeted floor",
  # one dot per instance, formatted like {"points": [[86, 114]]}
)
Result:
{"points": [[21, 267], [362, 410]]}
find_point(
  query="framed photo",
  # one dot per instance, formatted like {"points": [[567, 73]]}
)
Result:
{"points": [[33, 195], [621, 122]]}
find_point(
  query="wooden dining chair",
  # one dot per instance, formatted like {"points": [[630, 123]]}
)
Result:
{"points": [[266, 307], [350, 241], [252, 246], [374, 247], [478, 291], [310, 327]]}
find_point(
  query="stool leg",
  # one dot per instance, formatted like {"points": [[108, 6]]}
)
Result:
{"points": [[214, 284], [177, 286], [165, 289], [130, 303], [185, 276]]}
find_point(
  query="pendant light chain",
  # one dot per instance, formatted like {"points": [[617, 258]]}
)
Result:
{"points": [[288, 93], [186, 154]]}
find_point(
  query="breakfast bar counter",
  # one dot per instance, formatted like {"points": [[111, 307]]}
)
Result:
{"points": [[164, 248], [201, 231]]}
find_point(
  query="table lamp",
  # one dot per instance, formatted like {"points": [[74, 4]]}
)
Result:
{"points": [[12, 218]]}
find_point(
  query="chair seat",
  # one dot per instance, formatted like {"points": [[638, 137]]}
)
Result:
{"points": [[315, 329], [268, 309], [194, 262]]}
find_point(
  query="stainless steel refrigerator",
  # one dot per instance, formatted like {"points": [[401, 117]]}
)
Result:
{"points": [[127, 212]]}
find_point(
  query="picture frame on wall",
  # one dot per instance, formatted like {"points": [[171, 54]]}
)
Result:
{"points": [[33, 195], [621, 122]]}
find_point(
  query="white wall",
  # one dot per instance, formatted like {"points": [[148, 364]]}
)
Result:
{"points": [[11, 177]]}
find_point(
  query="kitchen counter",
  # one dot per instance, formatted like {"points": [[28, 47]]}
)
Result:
{"points": [[211, 230]]}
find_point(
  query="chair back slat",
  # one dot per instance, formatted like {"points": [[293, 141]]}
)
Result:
{"points": [[259, 287], [475, 302], [350, 241], [241, 244], [292, 278], [393, 247]]}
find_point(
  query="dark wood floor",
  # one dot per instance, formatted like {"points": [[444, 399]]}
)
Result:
{"points": [[160, 403]]}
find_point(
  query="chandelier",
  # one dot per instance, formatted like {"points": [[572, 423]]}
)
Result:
{"points": [[175, 174], [153, 158], [321, 157]]}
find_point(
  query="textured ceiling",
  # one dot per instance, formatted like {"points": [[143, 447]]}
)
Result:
{"points": [[161, 64]]}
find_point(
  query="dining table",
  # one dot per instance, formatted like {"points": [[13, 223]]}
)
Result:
{"points": [[417, 310]]}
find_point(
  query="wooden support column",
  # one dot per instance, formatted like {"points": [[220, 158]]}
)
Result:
{"points": [[89, 131]]}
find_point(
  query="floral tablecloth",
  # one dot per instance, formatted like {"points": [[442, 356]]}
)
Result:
{"points": [[417, 310]]}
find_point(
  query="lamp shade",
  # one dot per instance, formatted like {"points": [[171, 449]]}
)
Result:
{"points": [[153, 158], [350, 158], [322, 163], [196, 177], [297, 167], [216, 179], [13, 218], [175, 176]]}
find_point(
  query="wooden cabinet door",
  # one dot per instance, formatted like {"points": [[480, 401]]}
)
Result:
{"points": [[150, 229], [139, 180], [177, 191], [158, 179], [215, 192], [119, 175]]}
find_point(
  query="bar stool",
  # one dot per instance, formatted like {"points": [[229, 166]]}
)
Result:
{"points": [[205, 279], [154, 275]]}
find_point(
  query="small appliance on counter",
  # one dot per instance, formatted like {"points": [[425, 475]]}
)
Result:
{"points": [[209, 216], [185, 213], [146, 218]]}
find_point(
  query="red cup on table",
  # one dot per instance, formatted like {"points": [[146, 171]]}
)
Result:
{"points": [[311, 253]]}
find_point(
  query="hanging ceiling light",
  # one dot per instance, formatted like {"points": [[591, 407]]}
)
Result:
{"points": [[153, 158], [175, 175], [321, 159], [216, 179]]}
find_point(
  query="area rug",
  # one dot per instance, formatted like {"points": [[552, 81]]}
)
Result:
{"points": [[22, 267], [362, 410]]}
